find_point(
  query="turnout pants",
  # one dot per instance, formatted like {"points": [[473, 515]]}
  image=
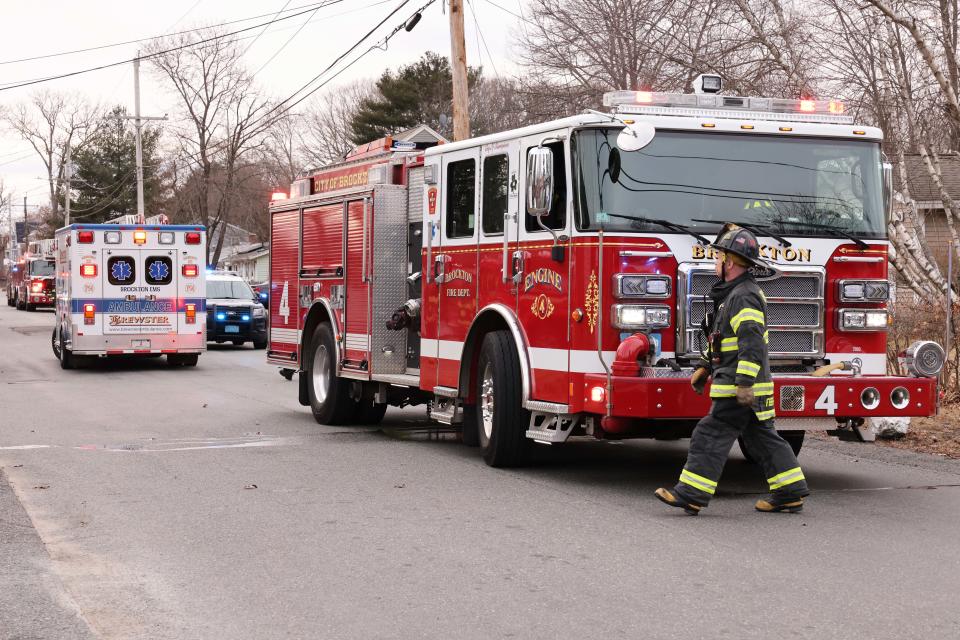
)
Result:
{"points": [[710, 446]]}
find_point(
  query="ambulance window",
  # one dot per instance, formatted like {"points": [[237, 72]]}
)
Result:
{"points": [[121, 270], [461, 198], [557, 217], [495, 177], [159, 270]]}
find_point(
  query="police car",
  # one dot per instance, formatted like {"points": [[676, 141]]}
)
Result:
{"points": [[234, 312]]}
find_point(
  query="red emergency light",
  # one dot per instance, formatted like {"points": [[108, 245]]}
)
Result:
{"points": [[88, 270], [808, 106], [278, 195], [36, 286], [85, 237], [192, 237], [190, 270]]}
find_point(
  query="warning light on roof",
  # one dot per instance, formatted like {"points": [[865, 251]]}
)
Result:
{"points": [[139, 236], [808, 106], [277, 195]]}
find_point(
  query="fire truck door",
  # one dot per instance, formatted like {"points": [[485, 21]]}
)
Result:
{"points": [[544, 285], [358, 276], [454, 267]]}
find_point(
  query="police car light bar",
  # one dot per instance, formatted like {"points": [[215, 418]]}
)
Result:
{"points": [[717, 106]]}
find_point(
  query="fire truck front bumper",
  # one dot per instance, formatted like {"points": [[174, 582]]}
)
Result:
{"points": [[832, 397], [42, 299]]}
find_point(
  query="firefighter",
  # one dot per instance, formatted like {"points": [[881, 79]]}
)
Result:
{"points": [[742, 389]]}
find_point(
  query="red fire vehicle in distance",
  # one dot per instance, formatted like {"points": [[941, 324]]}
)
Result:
{"points": [[32, 283], [550, 281]]}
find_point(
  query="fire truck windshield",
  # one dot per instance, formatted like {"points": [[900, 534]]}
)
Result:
{"points": [[794, 186], [43, 268]]}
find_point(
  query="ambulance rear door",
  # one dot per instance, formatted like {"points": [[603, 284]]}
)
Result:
{"points": [[139, 294]]}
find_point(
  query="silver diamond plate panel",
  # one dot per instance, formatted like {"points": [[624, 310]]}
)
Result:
{"points": [[388, 348], [791, 398]]}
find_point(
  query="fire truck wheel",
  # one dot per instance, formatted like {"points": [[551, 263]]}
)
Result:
{"points": [[19, 304], [29, 307], [501, 419], [369, 413], [10, 301], [793, 438], [329, 396]]}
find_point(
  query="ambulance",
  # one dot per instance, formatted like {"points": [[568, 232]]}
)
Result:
{"points": [[130, 289]]}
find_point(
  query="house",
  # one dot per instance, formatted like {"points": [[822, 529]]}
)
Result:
{"points": [[251, 262], [929, 203]]}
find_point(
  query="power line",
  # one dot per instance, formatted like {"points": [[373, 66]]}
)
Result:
{"points": [[267, 26], [483, 39], [154, 54], [309, 7]]}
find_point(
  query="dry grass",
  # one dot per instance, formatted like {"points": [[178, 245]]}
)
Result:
{"points": [[939, 435]]}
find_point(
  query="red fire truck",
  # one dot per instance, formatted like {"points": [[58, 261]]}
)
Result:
{"points": [[32, 283], [551, 281]]}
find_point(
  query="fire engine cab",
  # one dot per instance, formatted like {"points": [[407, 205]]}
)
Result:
{"points": [[132, 288], [551, 281]]}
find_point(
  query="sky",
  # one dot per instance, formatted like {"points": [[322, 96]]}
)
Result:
{"points": [[41, 27]]}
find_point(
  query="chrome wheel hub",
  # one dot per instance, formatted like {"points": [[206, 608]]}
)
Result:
{"points": [[321, 373]]}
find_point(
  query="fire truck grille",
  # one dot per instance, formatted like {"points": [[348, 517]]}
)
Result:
{"points": [[791, 398], [794, 312]]}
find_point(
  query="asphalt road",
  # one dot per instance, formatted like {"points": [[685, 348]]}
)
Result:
{"points": [[138, 501]]}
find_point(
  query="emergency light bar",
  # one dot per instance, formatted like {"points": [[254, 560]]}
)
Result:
{"points": [[717, 106]]}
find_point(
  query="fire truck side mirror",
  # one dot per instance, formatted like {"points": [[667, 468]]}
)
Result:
{"points": [[887, 169], [539, 181]]}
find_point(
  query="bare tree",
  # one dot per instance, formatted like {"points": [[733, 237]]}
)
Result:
{"points": [[49, 122], [222, 119], [324, 127]]}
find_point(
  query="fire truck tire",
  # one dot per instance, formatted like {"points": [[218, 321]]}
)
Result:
{"points": [[19, 304], [369, 413], [329, 395], [10, 301], [500, 417], [29, 307], [793, 438]]}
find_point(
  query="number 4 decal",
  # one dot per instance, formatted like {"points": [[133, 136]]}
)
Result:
{"points": [[827, 400], [285, 303]]}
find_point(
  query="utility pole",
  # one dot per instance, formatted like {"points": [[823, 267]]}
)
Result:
{"points": [[68, 170], [458, 64], [138, 125]]}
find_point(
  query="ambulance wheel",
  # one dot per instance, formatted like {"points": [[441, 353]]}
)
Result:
{"points": [[329, 395], [501, 419], [66, 357], [54, 344], [183, 359]]}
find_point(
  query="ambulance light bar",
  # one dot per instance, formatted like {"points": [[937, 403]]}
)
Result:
{"points": [[717, 106]]}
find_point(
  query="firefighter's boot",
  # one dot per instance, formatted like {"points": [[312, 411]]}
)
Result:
{"points": [[666, 496], [775, 504]]}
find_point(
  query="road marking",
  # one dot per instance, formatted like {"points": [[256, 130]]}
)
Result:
{"points": [[26, 446]]}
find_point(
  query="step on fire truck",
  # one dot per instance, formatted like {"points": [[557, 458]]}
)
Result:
{"points": [[551, 281], [133, 287]]}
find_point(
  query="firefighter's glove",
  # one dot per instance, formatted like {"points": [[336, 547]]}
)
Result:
{"points": [[699, 379], [745, 396]]}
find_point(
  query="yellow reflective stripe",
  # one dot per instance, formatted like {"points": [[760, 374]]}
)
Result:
{"points": [[698, 482], [787, 477], [766, 415], [746, 315], [748, 368], [723, 390], [728, 344], [766, 337], [763, 295]]}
